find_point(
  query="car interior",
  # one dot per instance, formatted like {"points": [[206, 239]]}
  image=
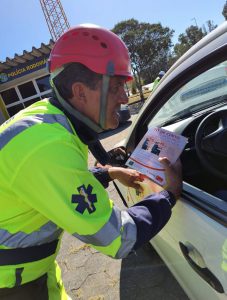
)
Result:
{"points": [[204, 159]]}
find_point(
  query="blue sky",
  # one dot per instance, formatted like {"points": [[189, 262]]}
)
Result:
{"points": [[23, 25]]}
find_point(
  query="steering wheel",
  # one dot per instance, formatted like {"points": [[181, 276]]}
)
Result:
{"points": [[211, 147]]}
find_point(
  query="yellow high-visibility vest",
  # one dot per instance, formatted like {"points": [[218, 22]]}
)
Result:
{"points": [[45, 188]]}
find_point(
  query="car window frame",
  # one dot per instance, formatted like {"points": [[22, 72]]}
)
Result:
{"points": [[215, 208]]}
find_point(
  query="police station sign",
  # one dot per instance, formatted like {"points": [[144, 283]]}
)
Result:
{"points": [[23, 69]]}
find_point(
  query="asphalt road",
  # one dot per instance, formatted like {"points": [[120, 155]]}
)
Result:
{"points": [[90, 275]]}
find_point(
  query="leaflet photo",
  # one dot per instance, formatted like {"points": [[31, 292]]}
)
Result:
{"points": [[191, 101]]}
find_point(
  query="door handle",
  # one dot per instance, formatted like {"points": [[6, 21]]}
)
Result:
{"points": [[191, 255]]}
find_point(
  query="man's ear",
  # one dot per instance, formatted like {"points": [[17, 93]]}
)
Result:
{"points": [[79, 91]]}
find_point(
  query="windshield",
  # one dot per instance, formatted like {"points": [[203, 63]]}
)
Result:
{"points": [[205, 90]]}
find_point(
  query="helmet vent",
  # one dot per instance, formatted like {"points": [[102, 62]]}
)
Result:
{"points": [[95, 37], [85, 33], [104, 45]]}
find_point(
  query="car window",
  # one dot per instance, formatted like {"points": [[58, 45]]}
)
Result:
{"points": [[199, 97], [203, 91]]}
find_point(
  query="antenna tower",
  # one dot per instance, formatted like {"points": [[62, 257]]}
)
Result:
{"points": [[55, 17]]}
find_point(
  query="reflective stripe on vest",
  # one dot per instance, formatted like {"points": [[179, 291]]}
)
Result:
{"points": [[124, 226], [224, 266], [19, 126], [47, 233], [224, 256]]}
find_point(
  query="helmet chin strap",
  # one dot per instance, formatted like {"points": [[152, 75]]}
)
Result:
{"points": [[110, 71], [70, 109], [103, 100]]}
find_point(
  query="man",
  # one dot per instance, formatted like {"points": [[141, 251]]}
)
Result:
{"points": [[45, 184], [157, 79], [224, 258]]}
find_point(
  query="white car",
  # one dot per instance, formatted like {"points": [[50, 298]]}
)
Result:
{"points": [[191, 100]]}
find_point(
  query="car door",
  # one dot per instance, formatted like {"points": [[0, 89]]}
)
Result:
{"points": [[194, 242]]}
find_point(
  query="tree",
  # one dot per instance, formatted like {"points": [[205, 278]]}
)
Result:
{"points": [[148, 45], [191, 36], [186, 40], [224, 12], [209, 27], [133, 89]]}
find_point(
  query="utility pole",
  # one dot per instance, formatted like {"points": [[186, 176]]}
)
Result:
{"points": [[55, 17], [224, 12]]}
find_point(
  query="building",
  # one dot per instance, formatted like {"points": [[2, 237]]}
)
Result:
{"points": [[24, 80]]}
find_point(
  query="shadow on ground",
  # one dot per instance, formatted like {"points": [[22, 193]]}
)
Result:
{"points": [[144, 276]]}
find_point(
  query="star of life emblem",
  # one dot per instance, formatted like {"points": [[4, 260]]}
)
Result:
{"points": [[85, 199]]}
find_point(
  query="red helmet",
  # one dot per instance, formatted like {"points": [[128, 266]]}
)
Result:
{"points": [[98, 49]]}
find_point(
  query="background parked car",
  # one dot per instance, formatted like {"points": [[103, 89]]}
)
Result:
{"points": [[124, 113]]}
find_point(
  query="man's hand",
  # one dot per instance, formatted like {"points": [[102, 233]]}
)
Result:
{"points": [[173, 176], [126, 176]]}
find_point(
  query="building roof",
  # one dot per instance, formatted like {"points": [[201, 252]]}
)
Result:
{"points": [[26, 56]]}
